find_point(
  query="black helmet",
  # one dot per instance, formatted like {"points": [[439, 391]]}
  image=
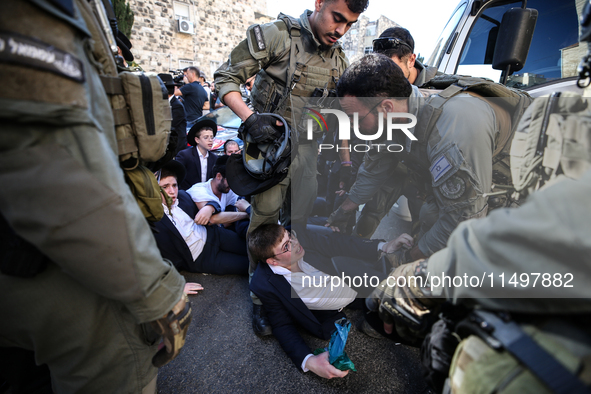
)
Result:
{"points": [[262, 165]]}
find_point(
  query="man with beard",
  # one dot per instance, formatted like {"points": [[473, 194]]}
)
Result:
{"points": [[190, 246], [214, 197], [450, 162], [292, 59]]}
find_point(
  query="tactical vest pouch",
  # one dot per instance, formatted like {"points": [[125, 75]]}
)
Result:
{"points": [[265, 96], [149, 110], [145, 189], [142, 116]]}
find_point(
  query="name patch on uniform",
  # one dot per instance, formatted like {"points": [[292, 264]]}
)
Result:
{"points": [[439, 168], [258, 34], [30, 52]]}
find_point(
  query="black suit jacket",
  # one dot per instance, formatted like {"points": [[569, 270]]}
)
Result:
{"points": [[170, 242], [179, 123], [284, 312], [190, 159]]}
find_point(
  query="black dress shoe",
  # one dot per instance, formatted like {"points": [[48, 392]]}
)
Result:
{"points": [[260, 324]]}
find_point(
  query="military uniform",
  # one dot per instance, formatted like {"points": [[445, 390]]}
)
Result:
{"points": [[64, 193], [547, 235], [286, 74], [452, 168], [426, 73]]}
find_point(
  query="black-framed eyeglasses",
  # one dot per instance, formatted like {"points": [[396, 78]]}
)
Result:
{"points": [[383, 44], [286, 247]]}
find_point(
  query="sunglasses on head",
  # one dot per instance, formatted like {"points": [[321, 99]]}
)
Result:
{"points": [[383, 44]]}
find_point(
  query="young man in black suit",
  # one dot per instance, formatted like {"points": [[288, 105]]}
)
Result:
{"points": [[198, 160], [192, 247], [281, 285]]}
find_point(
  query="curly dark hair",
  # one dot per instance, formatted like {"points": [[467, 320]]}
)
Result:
{"points": [[356, 6], [374, 75], [403, 35]]}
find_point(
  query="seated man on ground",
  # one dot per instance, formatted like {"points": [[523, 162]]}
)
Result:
{"points": [[192, 247], [198, 160], [281, 284], [214, 198]]}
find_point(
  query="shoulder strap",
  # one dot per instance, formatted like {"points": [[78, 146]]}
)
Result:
{"points": [[509, 336]]}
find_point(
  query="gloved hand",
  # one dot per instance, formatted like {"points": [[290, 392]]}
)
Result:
{"points": [[173, 328], [400, 300], [338, 220], [262, 128]]}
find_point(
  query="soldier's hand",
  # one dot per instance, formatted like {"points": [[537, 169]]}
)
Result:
{"points": [[263, 128], [400, 300], [173, 328], [338, 220]]}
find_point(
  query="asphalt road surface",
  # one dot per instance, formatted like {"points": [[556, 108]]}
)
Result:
{"points": [[223, 355]]}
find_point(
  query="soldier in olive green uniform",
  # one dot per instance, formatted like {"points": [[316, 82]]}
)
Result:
{"points": [[522, 275], [450, 163], [291, 59], [81, 273]]}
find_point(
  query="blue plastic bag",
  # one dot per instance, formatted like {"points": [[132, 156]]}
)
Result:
{"points": [[336, 347]]}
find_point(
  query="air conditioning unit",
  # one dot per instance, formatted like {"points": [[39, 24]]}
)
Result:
{"points": [[186, 26]]}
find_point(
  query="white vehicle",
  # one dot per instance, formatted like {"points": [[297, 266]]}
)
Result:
{"points": [[483, 33]]}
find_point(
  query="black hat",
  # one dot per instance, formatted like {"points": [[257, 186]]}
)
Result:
{"points": [[201, 123], [168, 81], [177, 168], [125, 45]]}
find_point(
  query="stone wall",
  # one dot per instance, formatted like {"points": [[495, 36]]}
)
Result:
{"points": [[361, 35], [219, 26]]}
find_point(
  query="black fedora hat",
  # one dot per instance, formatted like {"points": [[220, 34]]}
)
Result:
{"points": [[201, 123], [125, 45], [177, 168], [168, 81]]}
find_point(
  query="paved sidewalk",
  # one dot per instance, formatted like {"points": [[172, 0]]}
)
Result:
{"points": [[223, 355]]}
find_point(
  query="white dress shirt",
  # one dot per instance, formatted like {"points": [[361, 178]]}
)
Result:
{"points": [[193, 234], [202, 192], [203, 160]]}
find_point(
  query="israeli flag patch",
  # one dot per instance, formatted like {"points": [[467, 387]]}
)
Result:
{"points": [[439, 168]]}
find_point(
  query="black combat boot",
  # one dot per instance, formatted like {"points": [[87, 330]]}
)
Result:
{"points": [[260, 324]]}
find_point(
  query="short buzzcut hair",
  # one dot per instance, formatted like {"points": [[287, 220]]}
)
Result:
{"points": [[356, 6], [262, 241], [374, 75], [403, 35]]}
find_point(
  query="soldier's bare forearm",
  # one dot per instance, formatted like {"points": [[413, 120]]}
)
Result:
{"points": [[234, 101]]}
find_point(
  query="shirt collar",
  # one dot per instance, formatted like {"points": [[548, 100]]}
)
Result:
{"points": [[200, 155], [279, 270]]}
